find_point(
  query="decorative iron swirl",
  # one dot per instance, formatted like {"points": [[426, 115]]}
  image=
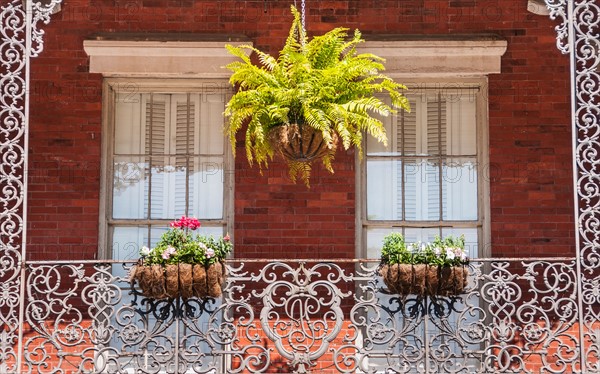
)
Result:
{"points": [[13, 68], [579, 34], [301, 310], [293, 317], [558, 10], [12, 97]]}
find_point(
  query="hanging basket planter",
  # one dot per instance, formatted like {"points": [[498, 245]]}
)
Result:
{"points": [[182, 264], [180, 280], [424, 280], [301, 143], [323, 80], [438, 268]]}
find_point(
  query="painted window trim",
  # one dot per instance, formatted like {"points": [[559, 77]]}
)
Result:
{"points": [[159, 58], [449, 56]]}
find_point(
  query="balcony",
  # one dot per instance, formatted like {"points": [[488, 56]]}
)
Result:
{"points": [[516, 316]]}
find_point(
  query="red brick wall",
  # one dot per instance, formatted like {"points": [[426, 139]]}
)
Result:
{"points": [[530, 169]]}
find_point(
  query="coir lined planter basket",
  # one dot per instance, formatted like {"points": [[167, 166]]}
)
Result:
{"points": [[424, 279], [180, 280], [300, 142]]}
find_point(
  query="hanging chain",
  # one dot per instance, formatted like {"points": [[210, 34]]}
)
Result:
{"points": [[303, 12]]}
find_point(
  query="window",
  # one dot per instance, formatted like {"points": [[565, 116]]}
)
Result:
{"points": [[166, 157], [427, 181]]}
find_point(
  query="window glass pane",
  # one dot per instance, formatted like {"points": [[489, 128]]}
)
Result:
{"points": [[422, 189], [216, 231], [375, 240], [130, 186], [126, 245], [375, 148], [423, 235], [461, 135], [127, 242], [129, 132], [180, 184], [164, 177], [459, 185], [384, 190], [206, 188], [211, 124]]}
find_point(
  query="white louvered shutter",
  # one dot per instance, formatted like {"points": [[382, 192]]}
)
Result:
{"points": [[184, 117], [436, 147], [408, 133], [156, 130]]}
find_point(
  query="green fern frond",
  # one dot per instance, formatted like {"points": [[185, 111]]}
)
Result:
{"points": [[238, 51], [323, 82], [300, 169]]}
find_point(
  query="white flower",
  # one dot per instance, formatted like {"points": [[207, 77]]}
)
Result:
{"points": [[450, 254], [437, 251], [168, 252], [202, 246], [210, 253], [145, 251]]}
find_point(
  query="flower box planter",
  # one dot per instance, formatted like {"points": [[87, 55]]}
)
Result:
{"points": [[424, 279], [182, 264], [180, 280]]}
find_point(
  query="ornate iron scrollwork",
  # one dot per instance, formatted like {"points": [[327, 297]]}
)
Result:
{"points": [[297, 317]]}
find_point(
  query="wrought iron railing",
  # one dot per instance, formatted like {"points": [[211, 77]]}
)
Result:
{"points": [[334, 316]]}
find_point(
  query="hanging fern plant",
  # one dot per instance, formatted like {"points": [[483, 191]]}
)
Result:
{"points": [[316, 94]]}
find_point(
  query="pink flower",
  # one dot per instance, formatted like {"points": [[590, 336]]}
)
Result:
{"points": [[192, 223], [186, 222], [210, 253], [168, 252], [226, 237]]}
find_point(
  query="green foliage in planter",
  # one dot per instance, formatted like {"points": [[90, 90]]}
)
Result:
{"points": [[449, 251], [179, 245], [324, 82]]}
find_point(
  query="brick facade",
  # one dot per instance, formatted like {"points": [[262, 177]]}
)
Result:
{"points": [[529, 128]]}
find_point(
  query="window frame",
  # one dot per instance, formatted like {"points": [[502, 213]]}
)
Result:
{"points": [[482, 224], [112, 87]]}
